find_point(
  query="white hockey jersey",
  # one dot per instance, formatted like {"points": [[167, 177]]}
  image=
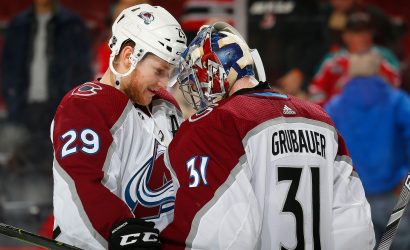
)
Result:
{"points": [[103, 171], [261, 170]]}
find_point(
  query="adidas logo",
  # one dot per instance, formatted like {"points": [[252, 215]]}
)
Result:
{"points": [[288, 111]]}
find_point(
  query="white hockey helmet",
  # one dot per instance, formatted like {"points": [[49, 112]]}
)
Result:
{"points": [[153, 30]]}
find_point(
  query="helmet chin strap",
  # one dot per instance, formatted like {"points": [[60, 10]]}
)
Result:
{"points": [[118, 76]]}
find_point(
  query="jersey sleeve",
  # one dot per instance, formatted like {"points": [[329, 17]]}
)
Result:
{"points": [[85, 207], [352, 224], [322, 83]]}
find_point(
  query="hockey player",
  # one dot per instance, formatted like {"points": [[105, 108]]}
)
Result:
{"points": [[257, 169], [106, 134]]}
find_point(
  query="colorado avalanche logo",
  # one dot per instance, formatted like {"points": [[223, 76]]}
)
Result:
{"points": [[138, 193], [146, 16], [87, 89]]}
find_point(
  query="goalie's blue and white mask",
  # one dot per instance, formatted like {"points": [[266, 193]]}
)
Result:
{"points": [[153, 30], [216, 58]]}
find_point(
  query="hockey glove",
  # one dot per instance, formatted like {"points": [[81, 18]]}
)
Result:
{"points": [[134, 234]]}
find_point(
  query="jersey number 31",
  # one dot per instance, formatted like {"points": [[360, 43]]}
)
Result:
{"points": [[292, 205]]}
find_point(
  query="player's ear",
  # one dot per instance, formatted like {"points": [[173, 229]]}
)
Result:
{"points": [[126, 55], [123, 57]]}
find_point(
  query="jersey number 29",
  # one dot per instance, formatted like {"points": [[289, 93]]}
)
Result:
{"points": [[90, 142]]}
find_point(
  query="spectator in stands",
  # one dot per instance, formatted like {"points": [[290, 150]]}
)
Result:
{"points": [[374, 119], [358, 39], [197, 13], [300, 33], [291, 37], [46, 51], [336, 13]]}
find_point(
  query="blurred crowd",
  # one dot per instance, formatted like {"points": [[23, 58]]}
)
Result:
{"points": [[352, 57]]}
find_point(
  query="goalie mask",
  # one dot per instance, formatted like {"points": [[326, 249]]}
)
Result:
{"points": [[216, 58], [153, 30]]}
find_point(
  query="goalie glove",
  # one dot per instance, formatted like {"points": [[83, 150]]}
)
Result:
{"points": [[134, 234]]}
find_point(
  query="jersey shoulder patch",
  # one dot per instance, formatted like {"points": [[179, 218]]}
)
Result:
{"points": [[87, 89], [94, 99], [96, 92]]}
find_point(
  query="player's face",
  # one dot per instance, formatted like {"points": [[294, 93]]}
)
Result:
{"points": [[150, 75]]}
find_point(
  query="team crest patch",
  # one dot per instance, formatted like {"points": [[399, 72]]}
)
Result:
{"points": [[146, 16], [202, 113], [87, 89], [152, 197]]}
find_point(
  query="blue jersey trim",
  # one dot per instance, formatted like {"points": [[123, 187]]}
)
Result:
{"points": [[270, 94]]}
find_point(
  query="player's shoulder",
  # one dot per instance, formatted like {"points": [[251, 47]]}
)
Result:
{"points": [[164, 97], [256, 107], [95, 92], [253, 107], [309, 110], [94, 97]]}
